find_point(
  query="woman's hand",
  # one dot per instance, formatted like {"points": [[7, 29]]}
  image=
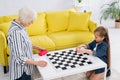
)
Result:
{"points": [[41, 63], [38, 48]]}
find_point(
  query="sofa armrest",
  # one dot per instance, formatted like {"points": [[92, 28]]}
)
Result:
{"points": [[92, 26], [3, 45]]}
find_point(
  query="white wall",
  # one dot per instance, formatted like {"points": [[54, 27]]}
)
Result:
{"points": [[8, 7], [12, 6], [96, 8]]}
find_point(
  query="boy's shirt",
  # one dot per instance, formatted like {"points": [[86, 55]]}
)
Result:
{"points": [[99, 50]]}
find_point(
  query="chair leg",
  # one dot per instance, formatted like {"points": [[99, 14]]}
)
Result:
{"points": [[6, 69]]}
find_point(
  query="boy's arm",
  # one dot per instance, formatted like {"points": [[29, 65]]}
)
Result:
{"points": [[82, 45], [88, 51], [83, 50]]}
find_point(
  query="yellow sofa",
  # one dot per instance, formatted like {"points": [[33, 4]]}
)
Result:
{"points": [[51, 30]]}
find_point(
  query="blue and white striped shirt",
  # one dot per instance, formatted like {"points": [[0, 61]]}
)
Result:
{"points": [[20, 50]]}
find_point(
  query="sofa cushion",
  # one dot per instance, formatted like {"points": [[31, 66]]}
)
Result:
{"points": [[5, 27], [92, 26], [43, 41], [79, 21], [38, 27], [9, 18], [1, 19], [70, 39], [57, 20]]}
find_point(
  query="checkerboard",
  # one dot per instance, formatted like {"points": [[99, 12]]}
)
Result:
{"points": [[67, 59]]}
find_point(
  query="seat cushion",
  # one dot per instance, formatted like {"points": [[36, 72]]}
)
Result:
{"points": [[79, 21], [38, 27], [58, 20], [43, 41], [71, 39]]}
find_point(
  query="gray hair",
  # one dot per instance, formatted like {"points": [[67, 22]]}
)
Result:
{"points": [[27, 15]]}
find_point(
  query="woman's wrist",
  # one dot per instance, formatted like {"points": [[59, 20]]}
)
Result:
{"points": [[38, 48], [36, 63], [32, 62]]}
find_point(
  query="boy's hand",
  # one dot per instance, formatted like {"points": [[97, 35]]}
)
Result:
{"points": [[82, 46], [41, 63], [77, 49], [81, 50]]}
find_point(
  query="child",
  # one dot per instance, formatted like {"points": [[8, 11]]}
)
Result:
{"points": [[100, 48]]}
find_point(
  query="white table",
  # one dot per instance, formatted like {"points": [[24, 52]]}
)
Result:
{"points": [[49, 72]]}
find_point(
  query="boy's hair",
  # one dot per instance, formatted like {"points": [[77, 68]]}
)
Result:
{"points": [[104, 33]]}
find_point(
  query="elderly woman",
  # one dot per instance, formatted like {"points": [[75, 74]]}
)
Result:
{"points": [[21, 55]]}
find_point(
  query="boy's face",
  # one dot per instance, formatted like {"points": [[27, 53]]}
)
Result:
{"points": [[98, 38]]}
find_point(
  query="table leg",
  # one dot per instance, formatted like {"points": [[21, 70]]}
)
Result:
{"points": [[105, 72]]}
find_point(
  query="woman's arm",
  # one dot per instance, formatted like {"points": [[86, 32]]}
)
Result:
{"points": [[40, 63], [37, 47], [16, 47]]}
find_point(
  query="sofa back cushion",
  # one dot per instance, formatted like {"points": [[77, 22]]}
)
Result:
{"points": [[1, 19], [39, 26], [9, 18], [79, 21], [4, 27], [58, 20]]}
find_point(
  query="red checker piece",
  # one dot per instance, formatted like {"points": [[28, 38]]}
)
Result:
{"points": [[42, 53]]}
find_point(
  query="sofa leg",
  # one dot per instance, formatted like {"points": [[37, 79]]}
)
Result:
{"points": [[6, 69]]}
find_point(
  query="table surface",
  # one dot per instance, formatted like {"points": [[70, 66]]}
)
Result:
{"points": [[49, 72]]}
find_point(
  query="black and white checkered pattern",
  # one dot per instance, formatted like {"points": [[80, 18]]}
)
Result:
{"points": [[67, 59]]}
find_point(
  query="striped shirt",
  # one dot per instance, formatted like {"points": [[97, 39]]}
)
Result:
{"points": [[20, 50]]}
